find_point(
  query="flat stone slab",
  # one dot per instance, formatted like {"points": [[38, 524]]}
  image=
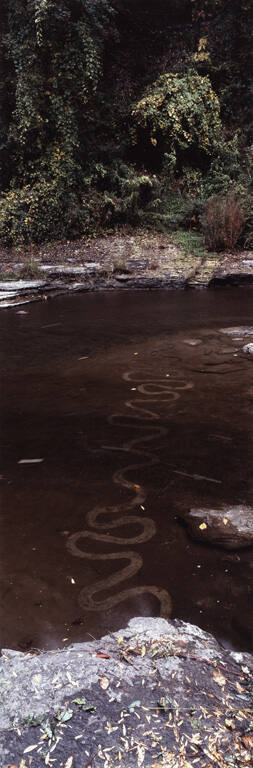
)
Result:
{"points": [[20, 285], [8, 295], [134, 695], [70, 270], [228, 527]]}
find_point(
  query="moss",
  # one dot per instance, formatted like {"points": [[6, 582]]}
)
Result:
{"points": [[190, 242]]}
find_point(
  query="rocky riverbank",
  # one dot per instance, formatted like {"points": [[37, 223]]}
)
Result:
{"points": [[158, 693], [142, 261]]}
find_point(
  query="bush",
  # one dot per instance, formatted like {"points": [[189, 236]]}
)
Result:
{"points": [[40, 212], [223, 222], [178, 113]]}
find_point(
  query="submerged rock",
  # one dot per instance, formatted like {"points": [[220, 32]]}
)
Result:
{"points": [[228, 527], [192, 342], [239, 331]]}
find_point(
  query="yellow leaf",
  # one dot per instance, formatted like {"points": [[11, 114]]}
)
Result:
{"points": [[218, 678], [203, 526], [230, 724], [104, 683], [239, 688], [225, 520]]}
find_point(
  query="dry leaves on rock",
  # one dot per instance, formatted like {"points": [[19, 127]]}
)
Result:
{"points": [[219, 678], [69, 762]]}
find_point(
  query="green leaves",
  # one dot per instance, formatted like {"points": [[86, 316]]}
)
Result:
{"points": [[55, 50], [180, 112]]}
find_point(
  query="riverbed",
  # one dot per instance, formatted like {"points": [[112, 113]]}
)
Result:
{"points": [[120, 412]]}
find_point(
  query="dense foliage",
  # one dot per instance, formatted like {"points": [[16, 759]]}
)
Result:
{"points": [[118, 112]]}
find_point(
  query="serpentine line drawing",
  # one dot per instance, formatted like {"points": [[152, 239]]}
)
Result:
{"points": [[154, 391]]}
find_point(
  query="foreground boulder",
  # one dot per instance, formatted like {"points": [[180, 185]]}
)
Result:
{"points": [[228, 527], [158, 693]]}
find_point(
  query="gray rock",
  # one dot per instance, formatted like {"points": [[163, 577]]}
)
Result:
{"points": [[248, 349], [19, 285], [7, 295], [80, 269], [228, 527], [41, 684]]}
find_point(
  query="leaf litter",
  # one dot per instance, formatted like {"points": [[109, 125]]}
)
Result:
{"points": [[207, 722]]}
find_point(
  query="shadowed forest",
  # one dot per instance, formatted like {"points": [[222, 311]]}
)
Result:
{"points": [[116, 114]]}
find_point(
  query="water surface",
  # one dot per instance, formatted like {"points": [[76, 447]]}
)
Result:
{"points": [[112, 392]]}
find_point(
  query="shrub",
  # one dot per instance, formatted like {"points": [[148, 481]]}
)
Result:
{"points": [[178, 113], [223, 222], [39, 212]]}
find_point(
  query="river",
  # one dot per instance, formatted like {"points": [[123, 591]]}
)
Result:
{"points": [[119, 413]]}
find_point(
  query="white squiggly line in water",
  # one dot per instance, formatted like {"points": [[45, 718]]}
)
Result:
{"points": [[135, 561]]}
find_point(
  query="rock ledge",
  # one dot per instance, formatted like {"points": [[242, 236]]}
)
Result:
{"points": [[158, 693]]}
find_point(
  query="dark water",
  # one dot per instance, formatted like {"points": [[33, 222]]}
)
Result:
{"points": [[94, 385]]}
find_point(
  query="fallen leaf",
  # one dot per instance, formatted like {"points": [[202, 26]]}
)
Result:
{"points": [[30, 749], [247, 740], [141, 755], [103, 656], [143, 650], [69, 762], [230, 724], [104, 683], [79, 702], [225, 520], [196, 738], [219, 679], [120, 640], [133, 705], [64, 716], [239, 688], [203, 526]]}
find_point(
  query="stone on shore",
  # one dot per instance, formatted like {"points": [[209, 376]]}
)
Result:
{"points": [[144, 692], [238, 331], [228, 527], [248, 349]]}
